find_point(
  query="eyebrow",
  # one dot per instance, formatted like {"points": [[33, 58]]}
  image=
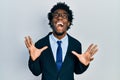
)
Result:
{"points": [[61, 13]]}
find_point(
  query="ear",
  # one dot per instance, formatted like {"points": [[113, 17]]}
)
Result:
{"points": [[69, 23]]}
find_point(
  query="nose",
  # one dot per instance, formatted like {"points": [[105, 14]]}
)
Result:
{"points": [[60, 16]]}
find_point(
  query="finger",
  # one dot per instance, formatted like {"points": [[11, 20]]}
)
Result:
{"points": [[26, 42], [94, 50], [94, 47], [44, 48], [89, 48], [30, 40], [75, 53]]}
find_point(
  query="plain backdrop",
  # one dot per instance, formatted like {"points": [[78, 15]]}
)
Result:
{"points": [[95, 21]]}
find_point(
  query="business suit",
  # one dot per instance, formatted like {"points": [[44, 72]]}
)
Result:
{"points": [[46, 65]]}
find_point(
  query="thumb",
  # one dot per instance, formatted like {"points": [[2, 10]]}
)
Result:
{"points": [[44, 48], [75, 53]]}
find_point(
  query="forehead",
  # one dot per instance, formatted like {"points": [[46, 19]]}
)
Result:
{"points": [[60, 11]]}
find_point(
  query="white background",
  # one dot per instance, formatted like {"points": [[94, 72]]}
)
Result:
{"points": [[95, 21]]}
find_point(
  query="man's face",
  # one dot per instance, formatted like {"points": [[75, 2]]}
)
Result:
{"points": [[60, 22]]}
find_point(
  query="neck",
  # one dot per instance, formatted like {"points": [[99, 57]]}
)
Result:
{"points": [[59, 36]]}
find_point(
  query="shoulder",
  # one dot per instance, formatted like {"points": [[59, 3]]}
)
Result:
{"points": [[74, 44], [73, 40], [42, 42]]}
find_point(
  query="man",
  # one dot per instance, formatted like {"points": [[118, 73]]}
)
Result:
{"points": [[58, 55]]}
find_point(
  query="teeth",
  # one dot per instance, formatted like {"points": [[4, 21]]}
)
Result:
{"points": [[59, 23]]}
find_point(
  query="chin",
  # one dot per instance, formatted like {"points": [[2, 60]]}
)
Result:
{"points": [[59, 33]]}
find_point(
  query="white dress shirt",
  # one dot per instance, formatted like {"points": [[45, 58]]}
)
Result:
{"points": [[53, 43]]}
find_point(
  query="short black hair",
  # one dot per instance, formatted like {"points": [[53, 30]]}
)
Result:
{"points": [[63, 6]]}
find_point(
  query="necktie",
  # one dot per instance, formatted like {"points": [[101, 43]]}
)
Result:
{"points": [[59, 55]]}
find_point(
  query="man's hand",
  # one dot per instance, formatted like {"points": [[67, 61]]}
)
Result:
{"points": [[33, 51], [86, 57]]}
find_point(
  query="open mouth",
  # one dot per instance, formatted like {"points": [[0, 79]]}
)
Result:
{"points": [[59, 24]]}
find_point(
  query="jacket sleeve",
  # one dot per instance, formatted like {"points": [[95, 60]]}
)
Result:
{"points": [[34, 66], [79, 67]]}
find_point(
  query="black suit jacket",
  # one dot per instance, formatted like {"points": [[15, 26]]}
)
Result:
{"points": [[46, 65]]}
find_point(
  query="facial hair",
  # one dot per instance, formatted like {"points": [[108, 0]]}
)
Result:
{"points": [[59, 34], [55, 32]]}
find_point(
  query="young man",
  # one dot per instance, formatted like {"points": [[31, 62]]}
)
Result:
{"points": [[58, 55]]}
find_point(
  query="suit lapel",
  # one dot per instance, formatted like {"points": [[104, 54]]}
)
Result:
{"points": [[50, 54]]}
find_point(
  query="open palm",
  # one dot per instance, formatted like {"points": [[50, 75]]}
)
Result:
{"points": [[33, 51], [86, 57]]}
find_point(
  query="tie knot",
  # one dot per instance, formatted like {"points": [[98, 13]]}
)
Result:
{"points": [[59, 42]]}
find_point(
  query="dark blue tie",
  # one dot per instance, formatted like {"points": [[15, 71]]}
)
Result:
{"points": [[59, 55]]}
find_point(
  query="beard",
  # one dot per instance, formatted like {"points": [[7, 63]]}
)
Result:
{"points": [[56, 32], [59, 33]]}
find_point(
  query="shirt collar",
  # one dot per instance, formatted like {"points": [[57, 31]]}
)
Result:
{"points": [[55, 39]]}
